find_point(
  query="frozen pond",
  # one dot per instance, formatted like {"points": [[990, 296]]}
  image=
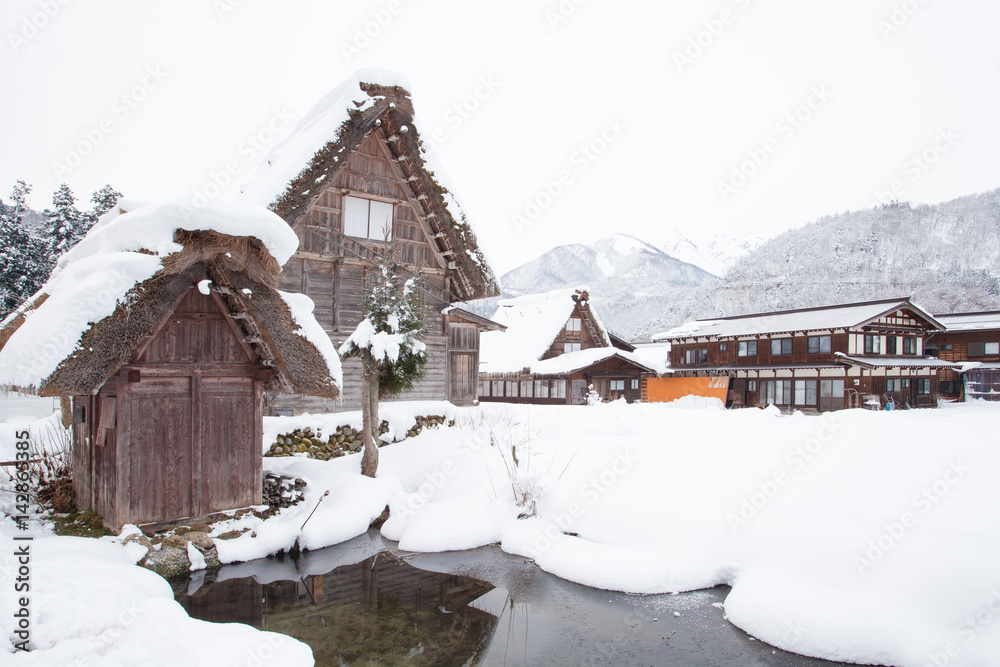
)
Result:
{"points": [[366, 603]]}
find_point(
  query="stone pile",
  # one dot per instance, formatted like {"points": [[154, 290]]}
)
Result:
{"points": [[344, 440]]}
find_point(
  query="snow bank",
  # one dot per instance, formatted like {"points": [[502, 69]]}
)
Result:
{"points": [[301, 307], [91, 606]]}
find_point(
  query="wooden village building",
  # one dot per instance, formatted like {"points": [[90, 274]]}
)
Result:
{"points": [[353, 181], [973, 341], [552, 349], [818, 359], [181, 331]]}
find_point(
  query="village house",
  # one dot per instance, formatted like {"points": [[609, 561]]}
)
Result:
{"points": [[553, 348], [353, 181], [821, 359], [163, 328], [973, 340]]}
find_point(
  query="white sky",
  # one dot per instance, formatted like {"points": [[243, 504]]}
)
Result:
{"points": [[226, 66]]}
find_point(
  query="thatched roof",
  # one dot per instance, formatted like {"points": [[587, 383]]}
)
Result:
{"points": [[316, 151], [46, 350]]}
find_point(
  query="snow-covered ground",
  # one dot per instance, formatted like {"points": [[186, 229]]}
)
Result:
{"points": [[857, 536]]}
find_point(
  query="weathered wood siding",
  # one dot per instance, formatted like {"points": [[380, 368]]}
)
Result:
{"points": [[330, 268], [463, 362], [177, 432]]}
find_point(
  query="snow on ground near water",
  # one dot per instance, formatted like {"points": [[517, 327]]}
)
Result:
{"points": [[859, 536], [89, 605]]}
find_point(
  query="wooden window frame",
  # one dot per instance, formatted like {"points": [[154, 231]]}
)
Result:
{"points": [[819, 344], [743, 348], [780, 342]]}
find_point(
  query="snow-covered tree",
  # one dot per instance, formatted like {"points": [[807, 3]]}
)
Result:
{"points": [[387, 341], [104, 200], [23, 265], [64, 223]]}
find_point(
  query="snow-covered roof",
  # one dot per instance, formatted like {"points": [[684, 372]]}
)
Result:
{"points": [[533, 321], [806, 319], [970, 321], [574, 361], [122, 274], [879, 361], [302, 166]]}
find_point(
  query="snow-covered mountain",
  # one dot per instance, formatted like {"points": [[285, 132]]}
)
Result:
{"points": [[946, 256], [715, 253], [631, 282]]}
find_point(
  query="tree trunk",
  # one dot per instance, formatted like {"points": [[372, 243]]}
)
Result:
{"points": [[369, 418]]}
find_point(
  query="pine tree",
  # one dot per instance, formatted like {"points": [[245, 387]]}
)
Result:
{"points": [[23, 268], [104, 200], [387, 341], [63, 223]]}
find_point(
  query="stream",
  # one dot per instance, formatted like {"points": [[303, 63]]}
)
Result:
{"points": [[364, 602]]}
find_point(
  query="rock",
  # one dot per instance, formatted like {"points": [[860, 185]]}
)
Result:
{"points": [[173, 542], [169, 561], [200, 540], [140, 539]]}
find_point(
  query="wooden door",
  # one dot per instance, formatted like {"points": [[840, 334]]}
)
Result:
{"points": [[227, 447], [160, 449], [463, 384]]}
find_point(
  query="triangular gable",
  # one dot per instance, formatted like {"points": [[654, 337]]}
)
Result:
{"points": [[915, 312]]}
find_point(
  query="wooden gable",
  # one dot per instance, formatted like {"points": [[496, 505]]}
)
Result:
{"points": [[585, 336], [369, 172], [197, 331]]}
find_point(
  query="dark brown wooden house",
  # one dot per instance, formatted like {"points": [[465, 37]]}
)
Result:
{"points": [[818, 359], [362, 185], [552, 349], [168, 389], [972, 340]]}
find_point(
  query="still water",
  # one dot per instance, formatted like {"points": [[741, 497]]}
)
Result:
{"points": [[365, 602]]}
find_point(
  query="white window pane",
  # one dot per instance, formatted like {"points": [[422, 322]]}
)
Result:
{"points": [[355, 216], [992, 348], [380, 221]]}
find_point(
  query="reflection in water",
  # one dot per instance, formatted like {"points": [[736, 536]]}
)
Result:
{"points": [[379, 611]]}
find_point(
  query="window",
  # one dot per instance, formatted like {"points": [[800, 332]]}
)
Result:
{"points": [[571, 347], [982, 349], [931, 350], [723, 346], [573, 324], [992, 348], [541, 388], [892, 384], [951, 387], [831, 388], [689, 356], [872, 344], [890, 345], [923, 386], [498, 387], [778, 392], [635, 383], [819, 345], [781, 346], [484, 388], [751, 385], [909, 345], [702, 356], [805, 392], [905, 382], [616, 385], [747, 348], [367, 219], [526, 386], [558, 389], [511, 389]]}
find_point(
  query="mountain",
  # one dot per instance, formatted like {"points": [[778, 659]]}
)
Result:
{"points": [[716, 253], [630, 281], [946, 256]]}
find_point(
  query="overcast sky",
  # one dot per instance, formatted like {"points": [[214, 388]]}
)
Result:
{"points": [[574, 120]]}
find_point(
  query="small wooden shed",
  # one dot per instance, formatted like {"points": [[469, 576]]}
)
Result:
{"points": [[168, 390]]}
